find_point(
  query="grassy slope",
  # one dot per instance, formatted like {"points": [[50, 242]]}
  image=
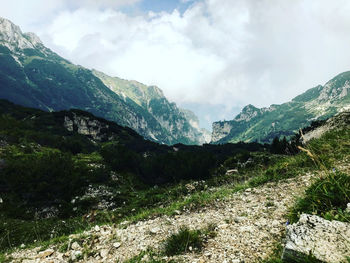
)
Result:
{"points": [[144, 202]]}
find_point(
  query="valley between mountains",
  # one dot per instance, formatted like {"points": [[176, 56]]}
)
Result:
{"points": [[95, 168]]}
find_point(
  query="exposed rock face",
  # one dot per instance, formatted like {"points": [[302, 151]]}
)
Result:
{"points": [[220, 131], [182, 125], [34, 76], [10, 33], [339, 121], [86, 126], [328, 241], [264, 124]]}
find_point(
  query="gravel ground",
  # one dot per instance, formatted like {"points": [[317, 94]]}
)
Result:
{"points": [[248, 224]]}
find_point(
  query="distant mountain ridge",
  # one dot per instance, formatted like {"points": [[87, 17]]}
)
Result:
{"points": [[254, 124], [34, 76], [182, 124]]}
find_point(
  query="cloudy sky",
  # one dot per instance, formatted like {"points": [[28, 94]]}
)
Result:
{"points": [[211, 56]]}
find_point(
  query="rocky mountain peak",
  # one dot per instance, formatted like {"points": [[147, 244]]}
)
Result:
{"points": [[33, 38], [336, 88], [248, 112], [12, 37]]}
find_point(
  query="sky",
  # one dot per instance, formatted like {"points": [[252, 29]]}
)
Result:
{"points": [[210, 56]]}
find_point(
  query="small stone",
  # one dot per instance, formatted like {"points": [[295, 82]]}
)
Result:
{"points": [[76, 255], [248, 190], [275, 223], [76, 246], [347, 208], [155, 230], [145, 258], [124, 223], [97, 228], [190, 248], [22, 246], [46, 253], [117, 244], [207, 254], [239, 219], [177, 212], [104, 253], [223, 226]]}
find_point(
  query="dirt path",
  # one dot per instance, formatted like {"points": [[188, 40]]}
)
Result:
{"points": [[248, 225]]}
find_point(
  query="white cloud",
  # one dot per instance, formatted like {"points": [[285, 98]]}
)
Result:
{"points": [[217, 52]]}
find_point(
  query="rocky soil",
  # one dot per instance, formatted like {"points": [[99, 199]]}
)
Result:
{"points": [[248, 225]]}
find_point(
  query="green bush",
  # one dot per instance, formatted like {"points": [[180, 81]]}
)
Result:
{"points": [[39, 178]]}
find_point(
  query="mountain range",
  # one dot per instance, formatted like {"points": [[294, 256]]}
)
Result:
{"points": [[32, 75], [264, 124]]}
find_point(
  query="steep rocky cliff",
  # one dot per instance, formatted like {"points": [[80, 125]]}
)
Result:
{"points": [[33, 75], [264, 124], [182, 124]]}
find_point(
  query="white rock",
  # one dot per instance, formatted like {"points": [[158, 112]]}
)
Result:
{"points": [[326, 240], [155, 230], [239, 219], [104, 253], [145, 258], [223, 226], [117, 244], [348, 208], [46, 253], [76, 255], [76, 246], [97, 228]]}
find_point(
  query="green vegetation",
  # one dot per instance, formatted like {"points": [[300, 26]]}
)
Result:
{"points": [[264, 125], [327, 197], [186, 240], [46, 181]]}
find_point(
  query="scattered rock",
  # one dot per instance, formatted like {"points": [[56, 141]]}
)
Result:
{"points": [[76, 255], [239, 219], [117, 244], [145, 258], [104, 253], [232, 171], [348, 208], [155, 230], [76, 246], [46, 253], [328, 241], [250, 240]]}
